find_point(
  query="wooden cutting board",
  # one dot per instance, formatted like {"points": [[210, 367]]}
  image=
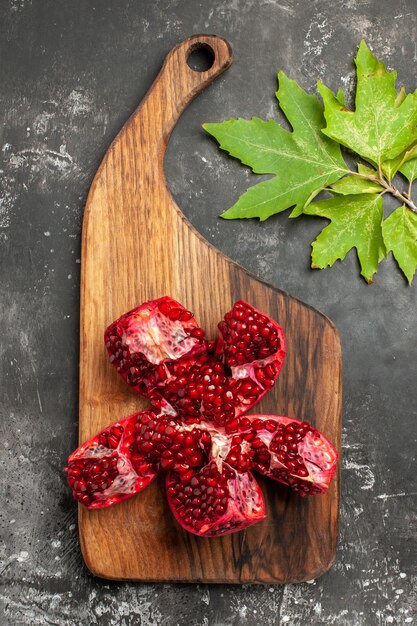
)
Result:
{"points": [[136, 246]]}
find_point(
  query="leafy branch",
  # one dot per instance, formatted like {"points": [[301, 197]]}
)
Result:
{"points": [[404, 197], [381, 131]]}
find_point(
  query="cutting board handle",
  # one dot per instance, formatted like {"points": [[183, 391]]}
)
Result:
{"points": [[173, 89]]}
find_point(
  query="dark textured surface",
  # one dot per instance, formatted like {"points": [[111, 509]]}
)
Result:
{"points": [[70, 74]]}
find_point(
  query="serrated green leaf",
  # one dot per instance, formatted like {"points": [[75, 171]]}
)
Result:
{"points": [[303, 161], [355, 223], [354, 185], [400, 236], [382, 126]]}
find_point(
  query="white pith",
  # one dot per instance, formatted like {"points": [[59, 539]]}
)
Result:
{"points": [[317, 458], [158, 337], [247, 370], [124, 482]]}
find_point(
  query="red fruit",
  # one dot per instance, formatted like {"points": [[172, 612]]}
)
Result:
{"points": [[143, 340], [252, 347], [216, 386], [215, 500], [108, 468], [292, 452]]}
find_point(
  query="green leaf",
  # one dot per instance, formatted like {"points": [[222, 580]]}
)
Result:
{"points": [[368, 171], [341, 96], [354, 185], [383, 124], [409, 167], [303, 161], [401, 96], [391, 167], [410, 170], [355, 223], [400, 236]]}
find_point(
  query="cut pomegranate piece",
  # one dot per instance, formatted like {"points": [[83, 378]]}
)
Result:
{"points": [[141, 341], [252, 346], [251, 340], [292, 452], [215, 500], [109, 468]]}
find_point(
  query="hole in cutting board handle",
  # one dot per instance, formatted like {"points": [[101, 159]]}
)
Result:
{"points": [[201, 57]]}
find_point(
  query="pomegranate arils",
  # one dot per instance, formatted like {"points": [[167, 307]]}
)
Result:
{"points": [[90, 477], [215, 501], [248, 336], [171, 445], [241, 451]]}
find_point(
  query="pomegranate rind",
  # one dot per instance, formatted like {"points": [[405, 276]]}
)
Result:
{"points": [[236, 500]]}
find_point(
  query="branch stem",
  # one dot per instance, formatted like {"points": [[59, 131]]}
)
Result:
{"points": [[390, 188]]}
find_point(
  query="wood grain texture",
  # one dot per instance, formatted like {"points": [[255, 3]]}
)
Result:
{"points": [[136, 246]]}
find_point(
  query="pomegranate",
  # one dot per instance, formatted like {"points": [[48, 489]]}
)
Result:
{"points": [[213, 381], [197, 431], [287, 450]]}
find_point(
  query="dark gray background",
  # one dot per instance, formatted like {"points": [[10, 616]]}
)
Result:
{"points": [[70, 75]]}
